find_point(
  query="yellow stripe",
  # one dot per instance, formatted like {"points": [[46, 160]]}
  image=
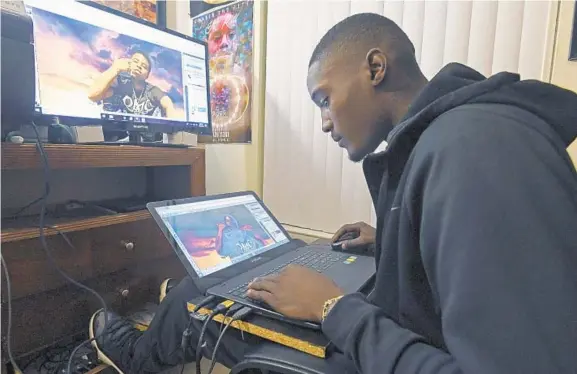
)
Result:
{"points": [[227, 303], [277, 337]]}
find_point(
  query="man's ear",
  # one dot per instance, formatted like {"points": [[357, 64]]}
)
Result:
{"points": [[377, 62]]}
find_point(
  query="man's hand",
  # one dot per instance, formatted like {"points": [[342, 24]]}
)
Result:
{"points": [[121, 65], [168, 106], [297, 292], [366, 235]]}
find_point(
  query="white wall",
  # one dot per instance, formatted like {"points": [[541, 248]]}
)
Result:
{"points": [[231, 167]]}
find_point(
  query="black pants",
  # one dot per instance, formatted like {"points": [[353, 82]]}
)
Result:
{"points": [[159, 347]]}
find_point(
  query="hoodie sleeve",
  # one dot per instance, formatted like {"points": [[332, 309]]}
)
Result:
{"points": [[494, 203]]}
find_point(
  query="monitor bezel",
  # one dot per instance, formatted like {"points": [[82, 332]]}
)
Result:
{"points": [[205, 282], [48, 119]]}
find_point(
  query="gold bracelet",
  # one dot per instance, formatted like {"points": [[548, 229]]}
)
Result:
{"points": [[328, 306]]}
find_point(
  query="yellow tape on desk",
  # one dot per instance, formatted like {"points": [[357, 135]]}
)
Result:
{"points": [[313, 349]]}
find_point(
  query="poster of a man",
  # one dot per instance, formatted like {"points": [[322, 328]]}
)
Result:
{"points": [[124, 88]]}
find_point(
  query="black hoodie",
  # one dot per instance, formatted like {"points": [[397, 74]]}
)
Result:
{"points": [[476, 201]]}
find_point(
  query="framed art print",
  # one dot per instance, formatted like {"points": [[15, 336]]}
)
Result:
{"points": [[153, 11]]}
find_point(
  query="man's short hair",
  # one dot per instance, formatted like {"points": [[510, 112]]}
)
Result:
{"points": [[145, 55], [364, 30]]}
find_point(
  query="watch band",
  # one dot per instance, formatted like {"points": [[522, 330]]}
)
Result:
{"points": [[328, 306]]}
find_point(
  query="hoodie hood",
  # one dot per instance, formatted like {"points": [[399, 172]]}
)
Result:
{"points": [[457, 85]]}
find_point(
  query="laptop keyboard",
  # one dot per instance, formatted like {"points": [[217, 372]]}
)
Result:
{"points": [[314, 260]]}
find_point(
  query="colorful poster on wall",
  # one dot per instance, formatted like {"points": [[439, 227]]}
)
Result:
{"points": [[145, 9], [228, 30]]}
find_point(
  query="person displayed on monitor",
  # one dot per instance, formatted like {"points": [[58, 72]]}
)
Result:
{"points": [[123, 88], [234, 240]]}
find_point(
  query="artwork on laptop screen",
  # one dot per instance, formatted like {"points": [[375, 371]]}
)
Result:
{"points": [[216, 238]]}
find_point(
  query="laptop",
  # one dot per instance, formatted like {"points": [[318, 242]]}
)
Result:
{"points": [[225, 241]]}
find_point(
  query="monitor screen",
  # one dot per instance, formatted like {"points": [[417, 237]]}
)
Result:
{"points": [[95, 65], [214, 234]]}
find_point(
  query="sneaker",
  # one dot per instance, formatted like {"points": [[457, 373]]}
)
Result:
{"points": [[114, 342], [165, 287]]}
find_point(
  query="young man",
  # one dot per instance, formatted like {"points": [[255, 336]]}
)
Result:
{"points": [[123, 88], [476, 202]]}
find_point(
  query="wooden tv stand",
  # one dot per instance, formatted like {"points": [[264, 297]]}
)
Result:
{"points": [[123, 256]]}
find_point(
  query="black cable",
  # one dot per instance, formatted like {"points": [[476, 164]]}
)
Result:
{"points": [[244, 312], [25, 207], [46, 169], [54, 360], [220, 308], [66, 276], [9, 327], [71, 357], [233, 309], [46, 192], [187, 332], [207, 300], [185, 339], [183, 366], [48, 356]]}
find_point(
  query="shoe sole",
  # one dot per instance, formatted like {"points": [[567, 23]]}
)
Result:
{"points": [[101, 355], [163, 288]]}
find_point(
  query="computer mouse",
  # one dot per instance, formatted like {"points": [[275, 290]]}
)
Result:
{"points": [[337, 245], [347, 236]]}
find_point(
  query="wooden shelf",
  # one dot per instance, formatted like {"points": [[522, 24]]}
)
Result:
{"points": [[76, 156], [99, 259], [16, 234]]}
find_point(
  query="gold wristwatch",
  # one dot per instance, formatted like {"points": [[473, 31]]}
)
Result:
{"points": [[329, 304]]}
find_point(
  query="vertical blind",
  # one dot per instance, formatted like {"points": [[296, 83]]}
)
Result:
{"points": [[308, 180]]}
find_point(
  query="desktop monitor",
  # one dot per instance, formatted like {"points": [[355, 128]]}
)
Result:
{"points": [[99, 67]]}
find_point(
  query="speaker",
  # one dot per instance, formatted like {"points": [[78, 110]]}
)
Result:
{"points": [[18, 70]]}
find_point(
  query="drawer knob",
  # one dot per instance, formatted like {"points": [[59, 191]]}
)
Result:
{"points": [[129, 246]]}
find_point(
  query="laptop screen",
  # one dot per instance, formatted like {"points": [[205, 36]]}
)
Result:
{"points": [[214, 234]]}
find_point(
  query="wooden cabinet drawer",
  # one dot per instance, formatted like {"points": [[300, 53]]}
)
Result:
{"points": [[96, 252], [125, 263], [120, 246], [32, 272]]}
